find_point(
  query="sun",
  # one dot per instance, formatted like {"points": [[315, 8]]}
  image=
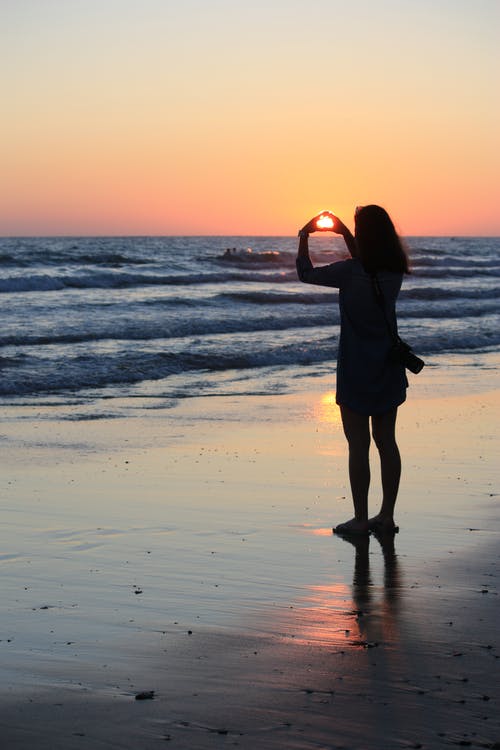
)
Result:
{"points": [[325, 222]]}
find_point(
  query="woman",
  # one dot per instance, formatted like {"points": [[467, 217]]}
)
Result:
{"points": [[369, 384]]}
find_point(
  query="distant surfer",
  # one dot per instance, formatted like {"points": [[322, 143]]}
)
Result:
{"points": [[370, 385]]}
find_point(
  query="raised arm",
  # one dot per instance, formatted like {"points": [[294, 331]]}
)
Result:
{"points": [[340, 228], [324, 275], [303, 250], [303, 260]]}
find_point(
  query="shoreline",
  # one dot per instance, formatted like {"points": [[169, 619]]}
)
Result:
{"points": [[121, 536]]}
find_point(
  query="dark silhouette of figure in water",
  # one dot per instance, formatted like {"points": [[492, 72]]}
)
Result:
{"points": [[370, 385]]}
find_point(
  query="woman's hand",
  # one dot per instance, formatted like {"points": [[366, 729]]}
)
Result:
{"points": [[334, 225], [323, 222], [339, 227]]}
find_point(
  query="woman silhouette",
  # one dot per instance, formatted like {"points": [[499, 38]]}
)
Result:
{"points": [[370, 385]]}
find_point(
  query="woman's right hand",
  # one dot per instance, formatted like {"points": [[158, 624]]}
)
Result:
{"points": [[339, 227]]}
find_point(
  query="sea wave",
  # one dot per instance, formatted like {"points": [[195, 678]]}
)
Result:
{"points": [[175, 326], [89, 313], [112, 259], [423, 260], [438, 293], [36, 282], [465, 272], [94, 367], [275, 298], [227, 313], [115, 279]]}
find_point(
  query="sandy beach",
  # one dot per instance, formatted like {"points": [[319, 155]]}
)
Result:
{"points": [[185, 553]]}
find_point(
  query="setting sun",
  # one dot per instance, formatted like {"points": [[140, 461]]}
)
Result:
{"points": [[324, 222]]}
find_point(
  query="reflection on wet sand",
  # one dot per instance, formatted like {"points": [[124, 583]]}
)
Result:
{"points": [[364, 615], [378, 618], [327, 410]]}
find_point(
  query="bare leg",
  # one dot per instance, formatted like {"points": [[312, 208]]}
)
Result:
{"points": [[384, 435], [357, 431]]}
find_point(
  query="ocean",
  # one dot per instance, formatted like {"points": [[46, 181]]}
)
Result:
{"points": [[150, 320]]}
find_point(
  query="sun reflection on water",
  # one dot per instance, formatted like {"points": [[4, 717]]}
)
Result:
{"points": [[327, 410]]}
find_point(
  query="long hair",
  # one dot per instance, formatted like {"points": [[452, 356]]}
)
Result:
{"points": [[379, 246]]}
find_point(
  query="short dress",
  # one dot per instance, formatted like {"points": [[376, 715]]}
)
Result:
{"points": [[368, 382]]}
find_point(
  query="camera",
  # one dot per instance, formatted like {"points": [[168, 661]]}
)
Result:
{"points": [[402, 353], [413, 363]]}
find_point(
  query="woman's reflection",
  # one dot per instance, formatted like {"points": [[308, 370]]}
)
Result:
{"points": [[377, 618]]}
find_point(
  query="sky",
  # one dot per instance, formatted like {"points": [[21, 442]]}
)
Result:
{"points": [[154, 117]]}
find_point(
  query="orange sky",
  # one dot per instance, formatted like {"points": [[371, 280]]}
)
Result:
{"points": [[122, 117]]}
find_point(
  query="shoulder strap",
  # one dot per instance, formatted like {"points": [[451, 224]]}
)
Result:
{"points": [[379, 296]]}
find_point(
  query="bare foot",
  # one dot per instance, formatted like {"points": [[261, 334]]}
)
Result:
{"points": [[352, 527], [382, 524]]}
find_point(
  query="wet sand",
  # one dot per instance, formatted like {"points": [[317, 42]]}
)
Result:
{"points": [[188, 551]]}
